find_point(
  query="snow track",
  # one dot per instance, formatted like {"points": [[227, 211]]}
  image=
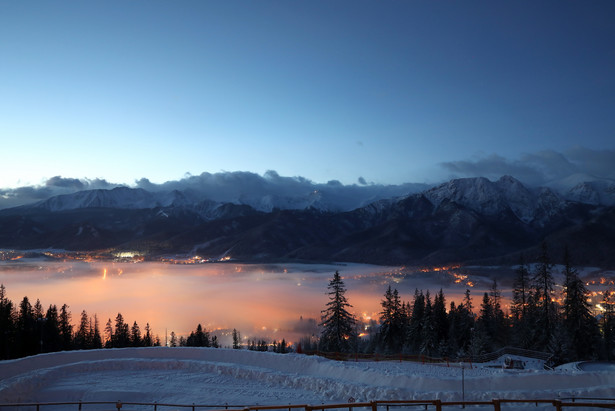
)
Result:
{"points": [[220, 376]]}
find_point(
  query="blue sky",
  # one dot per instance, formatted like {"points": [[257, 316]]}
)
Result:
{"points": [[393, 91]]}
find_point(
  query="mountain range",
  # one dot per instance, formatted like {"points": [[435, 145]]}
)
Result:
{"points": [[468, 221]]}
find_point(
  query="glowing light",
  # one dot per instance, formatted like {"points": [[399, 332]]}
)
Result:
{"points": [[104, 274]]}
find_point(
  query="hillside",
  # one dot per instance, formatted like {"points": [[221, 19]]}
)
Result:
{"points": [[471, 220]]}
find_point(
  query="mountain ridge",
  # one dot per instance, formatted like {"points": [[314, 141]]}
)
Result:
{"points": [[462, 220]]}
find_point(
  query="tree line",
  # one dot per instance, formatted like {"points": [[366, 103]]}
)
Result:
{"points": [[539, 319], [27, 329]]}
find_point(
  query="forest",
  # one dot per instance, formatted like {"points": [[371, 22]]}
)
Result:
{"points": [[539, 319]]}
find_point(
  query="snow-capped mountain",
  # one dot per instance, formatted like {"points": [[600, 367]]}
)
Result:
{"points": [[471, 219]]}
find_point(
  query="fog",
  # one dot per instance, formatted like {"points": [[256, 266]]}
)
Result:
{"points": [[261, 301]]}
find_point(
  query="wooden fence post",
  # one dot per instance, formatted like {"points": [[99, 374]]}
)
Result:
{"points": [[496, 405], [438, 404]]}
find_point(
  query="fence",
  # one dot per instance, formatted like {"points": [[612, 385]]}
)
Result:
{"points": [[435, 360], [438, 405]]}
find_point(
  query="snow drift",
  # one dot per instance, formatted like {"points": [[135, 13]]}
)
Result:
{"points": [[240, 377]]}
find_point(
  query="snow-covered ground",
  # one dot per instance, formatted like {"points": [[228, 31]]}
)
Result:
{"points": [[241, 377]]}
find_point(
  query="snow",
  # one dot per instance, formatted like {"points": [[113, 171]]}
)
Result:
{"points": [[240, 377]]}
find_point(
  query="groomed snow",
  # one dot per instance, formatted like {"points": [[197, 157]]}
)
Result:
{"points": [[241, 377]]}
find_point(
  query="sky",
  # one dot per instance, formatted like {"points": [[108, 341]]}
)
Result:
{"points": [[359, 92]]}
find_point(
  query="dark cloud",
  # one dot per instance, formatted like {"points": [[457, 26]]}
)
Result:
{"points": [[547, 167], [362, 181]]}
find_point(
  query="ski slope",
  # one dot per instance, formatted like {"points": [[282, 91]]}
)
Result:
{"points": [[241, 377]]}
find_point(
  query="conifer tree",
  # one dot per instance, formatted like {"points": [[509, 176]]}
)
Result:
{"points": [[135, 335], [392, 321], [429, 341], [440, 318], [66, 329], [236, 339], [26, 337], [416, 322], [338, 324], [121, 337], [52, 338], [81, 336], [608, 325], [96, 338], [7, 325], [578, 320], [543, 286], [147, 338], [109, 334]]}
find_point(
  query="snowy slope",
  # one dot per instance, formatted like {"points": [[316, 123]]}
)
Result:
{"points": [[219, 376]]}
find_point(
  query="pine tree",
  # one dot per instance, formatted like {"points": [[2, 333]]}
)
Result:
{"points": [[440, 318], [416, 322], [26, 338], [66, 329], [147, 338], [578, 320], [392, 321], [608, 325], [7, 325], [135, 335], [236, 339], [338, 324], [121, 337], [52, 339], [109, 335], [96, 338], [173, 342], [429, 341], [521, 290], [81, 336], [543, 285]]}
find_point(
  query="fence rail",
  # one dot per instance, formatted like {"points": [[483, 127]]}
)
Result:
{"points": [[340, 356], [438, 405]]}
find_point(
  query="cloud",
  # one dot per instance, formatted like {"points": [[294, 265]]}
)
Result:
{"points": [[547, 167], [542, 168], [54, 186]]}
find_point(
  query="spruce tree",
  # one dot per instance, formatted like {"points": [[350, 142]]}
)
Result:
{"points": [[607, 325], [52, 338], [135, 335], [338, 324], [429, 341], [81, 336], [66, 329], [578, 320], [7, 325], [147, 338], [392, 322], [440, 318], [236, 339], [416, 323], [543, 286], [121, 337]]}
